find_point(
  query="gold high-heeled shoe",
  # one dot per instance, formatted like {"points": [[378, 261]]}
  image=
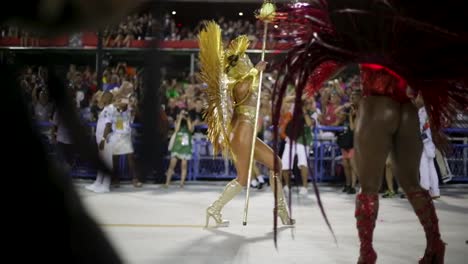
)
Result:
{"points": [[283, 211], [220, 222], [214, 210]]}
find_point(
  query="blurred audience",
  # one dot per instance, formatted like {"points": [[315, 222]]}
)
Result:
{"points": [[142, 26], [328, 107]]}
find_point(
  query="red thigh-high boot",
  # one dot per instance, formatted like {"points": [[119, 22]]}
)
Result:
{"points": [[425, 210], [367, 207]]}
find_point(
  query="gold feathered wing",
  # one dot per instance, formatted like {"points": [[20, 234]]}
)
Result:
{"points": [[219, 111]]}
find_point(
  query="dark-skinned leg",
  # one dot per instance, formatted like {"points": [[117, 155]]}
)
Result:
{"points": [[407, 154], [377, 122]]}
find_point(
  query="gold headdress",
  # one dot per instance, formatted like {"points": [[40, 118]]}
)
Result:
{"points": [[238, 64], [235, 50]]}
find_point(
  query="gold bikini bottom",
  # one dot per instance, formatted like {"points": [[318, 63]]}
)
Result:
{"points": [[248, 112]]}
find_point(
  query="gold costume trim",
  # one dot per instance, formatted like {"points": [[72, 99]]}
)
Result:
{"points": [[247, 111], [253, 87]]}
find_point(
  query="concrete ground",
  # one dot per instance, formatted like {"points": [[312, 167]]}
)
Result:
{"points": [[157, 225]]}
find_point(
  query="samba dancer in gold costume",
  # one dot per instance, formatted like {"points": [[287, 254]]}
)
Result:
{"points": [[232, 95]]}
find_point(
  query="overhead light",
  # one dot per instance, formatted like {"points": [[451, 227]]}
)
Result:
{"points": [[174, 12], [241, 14], [275, 26]]}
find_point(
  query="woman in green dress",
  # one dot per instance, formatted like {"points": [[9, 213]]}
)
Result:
{"points": [[181, 147]]}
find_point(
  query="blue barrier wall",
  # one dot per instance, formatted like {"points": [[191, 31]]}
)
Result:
{"points": [[324, 156]]}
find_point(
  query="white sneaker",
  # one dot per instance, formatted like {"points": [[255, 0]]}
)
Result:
{"points": [[91, 187], [101, 189], [254, 183], [303, 191], [96, 182]]}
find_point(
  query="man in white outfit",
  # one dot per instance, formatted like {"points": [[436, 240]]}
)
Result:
{"points": [[122, 137], [427, 170], [103, 135], [297, 144]]}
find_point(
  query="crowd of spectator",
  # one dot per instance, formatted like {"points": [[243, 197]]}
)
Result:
{"points": [[26, 37], [187, 95], [182, 98], [179, 94], [142, 27], [81, 82]]}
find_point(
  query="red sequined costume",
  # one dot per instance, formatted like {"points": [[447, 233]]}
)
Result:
{"points": [[378, 80]]}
